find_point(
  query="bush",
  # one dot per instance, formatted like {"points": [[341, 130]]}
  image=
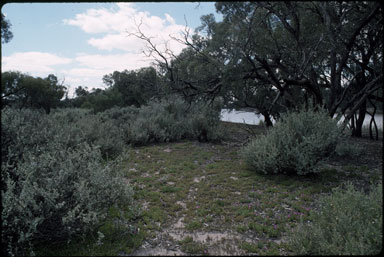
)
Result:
{"points": [[95, 129], [206, 122], [54, 181], [295, 145], [172, 120], [346, 149], [348, 222], [54, 184]]}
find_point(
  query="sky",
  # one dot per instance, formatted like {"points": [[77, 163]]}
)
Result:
{"points": [[82, 42]]}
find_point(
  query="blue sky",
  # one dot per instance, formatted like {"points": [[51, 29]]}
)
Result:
{"points": [[81, 42]]}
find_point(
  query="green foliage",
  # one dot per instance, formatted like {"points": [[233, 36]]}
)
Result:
{"points": [[83, 126], [344, 149], [25, 91], [98, 100], [54, 184], [6, 33], [172, 120], [348, 222], [189, 246], [135, 87], [295, 145]]}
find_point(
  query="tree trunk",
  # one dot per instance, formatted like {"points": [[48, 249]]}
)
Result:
{"points": [[357, 131], [267, 119]]}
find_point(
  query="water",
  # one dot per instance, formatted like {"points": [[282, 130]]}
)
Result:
{"points": [[241, 117], [254, 119]]}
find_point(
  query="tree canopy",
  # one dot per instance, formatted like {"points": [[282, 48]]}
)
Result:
{"points": [[22, 90], [275, 56], [6, 33], [268, 56]]}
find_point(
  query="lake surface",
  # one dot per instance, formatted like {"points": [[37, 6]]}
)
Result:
{"points": [[254, 119]]}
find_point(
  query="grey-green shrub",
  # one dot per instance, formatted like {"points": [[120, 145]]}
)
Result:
{"points": [[345, 149], [54, 184], [53, 166], [173, 119], [348, 222], [205, 121], [95, 129], [296, 144]]}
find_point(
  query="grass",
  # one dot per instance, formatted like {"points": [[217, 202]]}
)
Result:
{"points": [[219, 194], [189, 246]]}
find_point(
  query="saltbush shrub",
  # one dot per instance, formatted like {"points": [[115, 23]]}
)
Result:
{"points": [[95, 129], [348, 222], [206, 122], [346, 149], [54, 185], [172, 120], [54, 181], [297, 142]]}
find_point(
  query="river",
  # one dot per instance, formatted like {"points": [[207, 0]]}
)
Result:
{"points": [[254, 119]]}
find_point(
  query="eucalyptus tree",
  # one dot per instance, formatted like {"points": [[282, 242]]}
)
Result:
{"points": [[328, 51], [136, 87], [356, 66], [6, 33], [24, 91], [274, 56]]}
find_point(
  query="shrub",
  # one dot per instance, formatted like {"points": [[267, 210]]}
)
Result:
{"points": [[95, 129], [346, 149], [54, 184], [295, 145], [172, 120], [205, 122], [348, 222]]}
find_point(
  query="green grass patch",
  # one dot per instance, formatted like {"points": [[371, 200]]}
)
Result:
{"points": [[251, 248], [194, 225], [170, 189], [189, 246]]}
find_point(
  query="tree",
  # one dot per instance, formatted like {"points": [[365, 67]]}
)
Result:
{"points": [[136, 87], [24, 91], [275, 56], [330, 52], [6, 33], [100, 100], [80, 91]]}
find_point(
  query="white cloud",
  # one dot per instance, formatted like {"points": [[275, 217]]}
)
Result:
{"points": [[89, 70], [35, 63], [114, 62], [109, 31], [114, 26], [170, 19]]}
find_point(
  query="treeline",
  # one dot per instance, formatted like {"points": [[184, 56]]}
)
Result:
{"points": [[269, 56], [126, 88], [24, 91], [276, 56]]}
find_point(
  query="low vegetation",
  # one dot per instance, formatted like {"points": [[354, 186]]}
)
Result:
{"points": [[348, 221], [59, 165], [82, 190], [54, 184], [295, 145], [147, 167]]}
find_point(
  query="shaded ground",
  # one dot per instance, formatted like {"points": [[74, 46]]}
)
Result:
{"points": [[201, 198]]}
